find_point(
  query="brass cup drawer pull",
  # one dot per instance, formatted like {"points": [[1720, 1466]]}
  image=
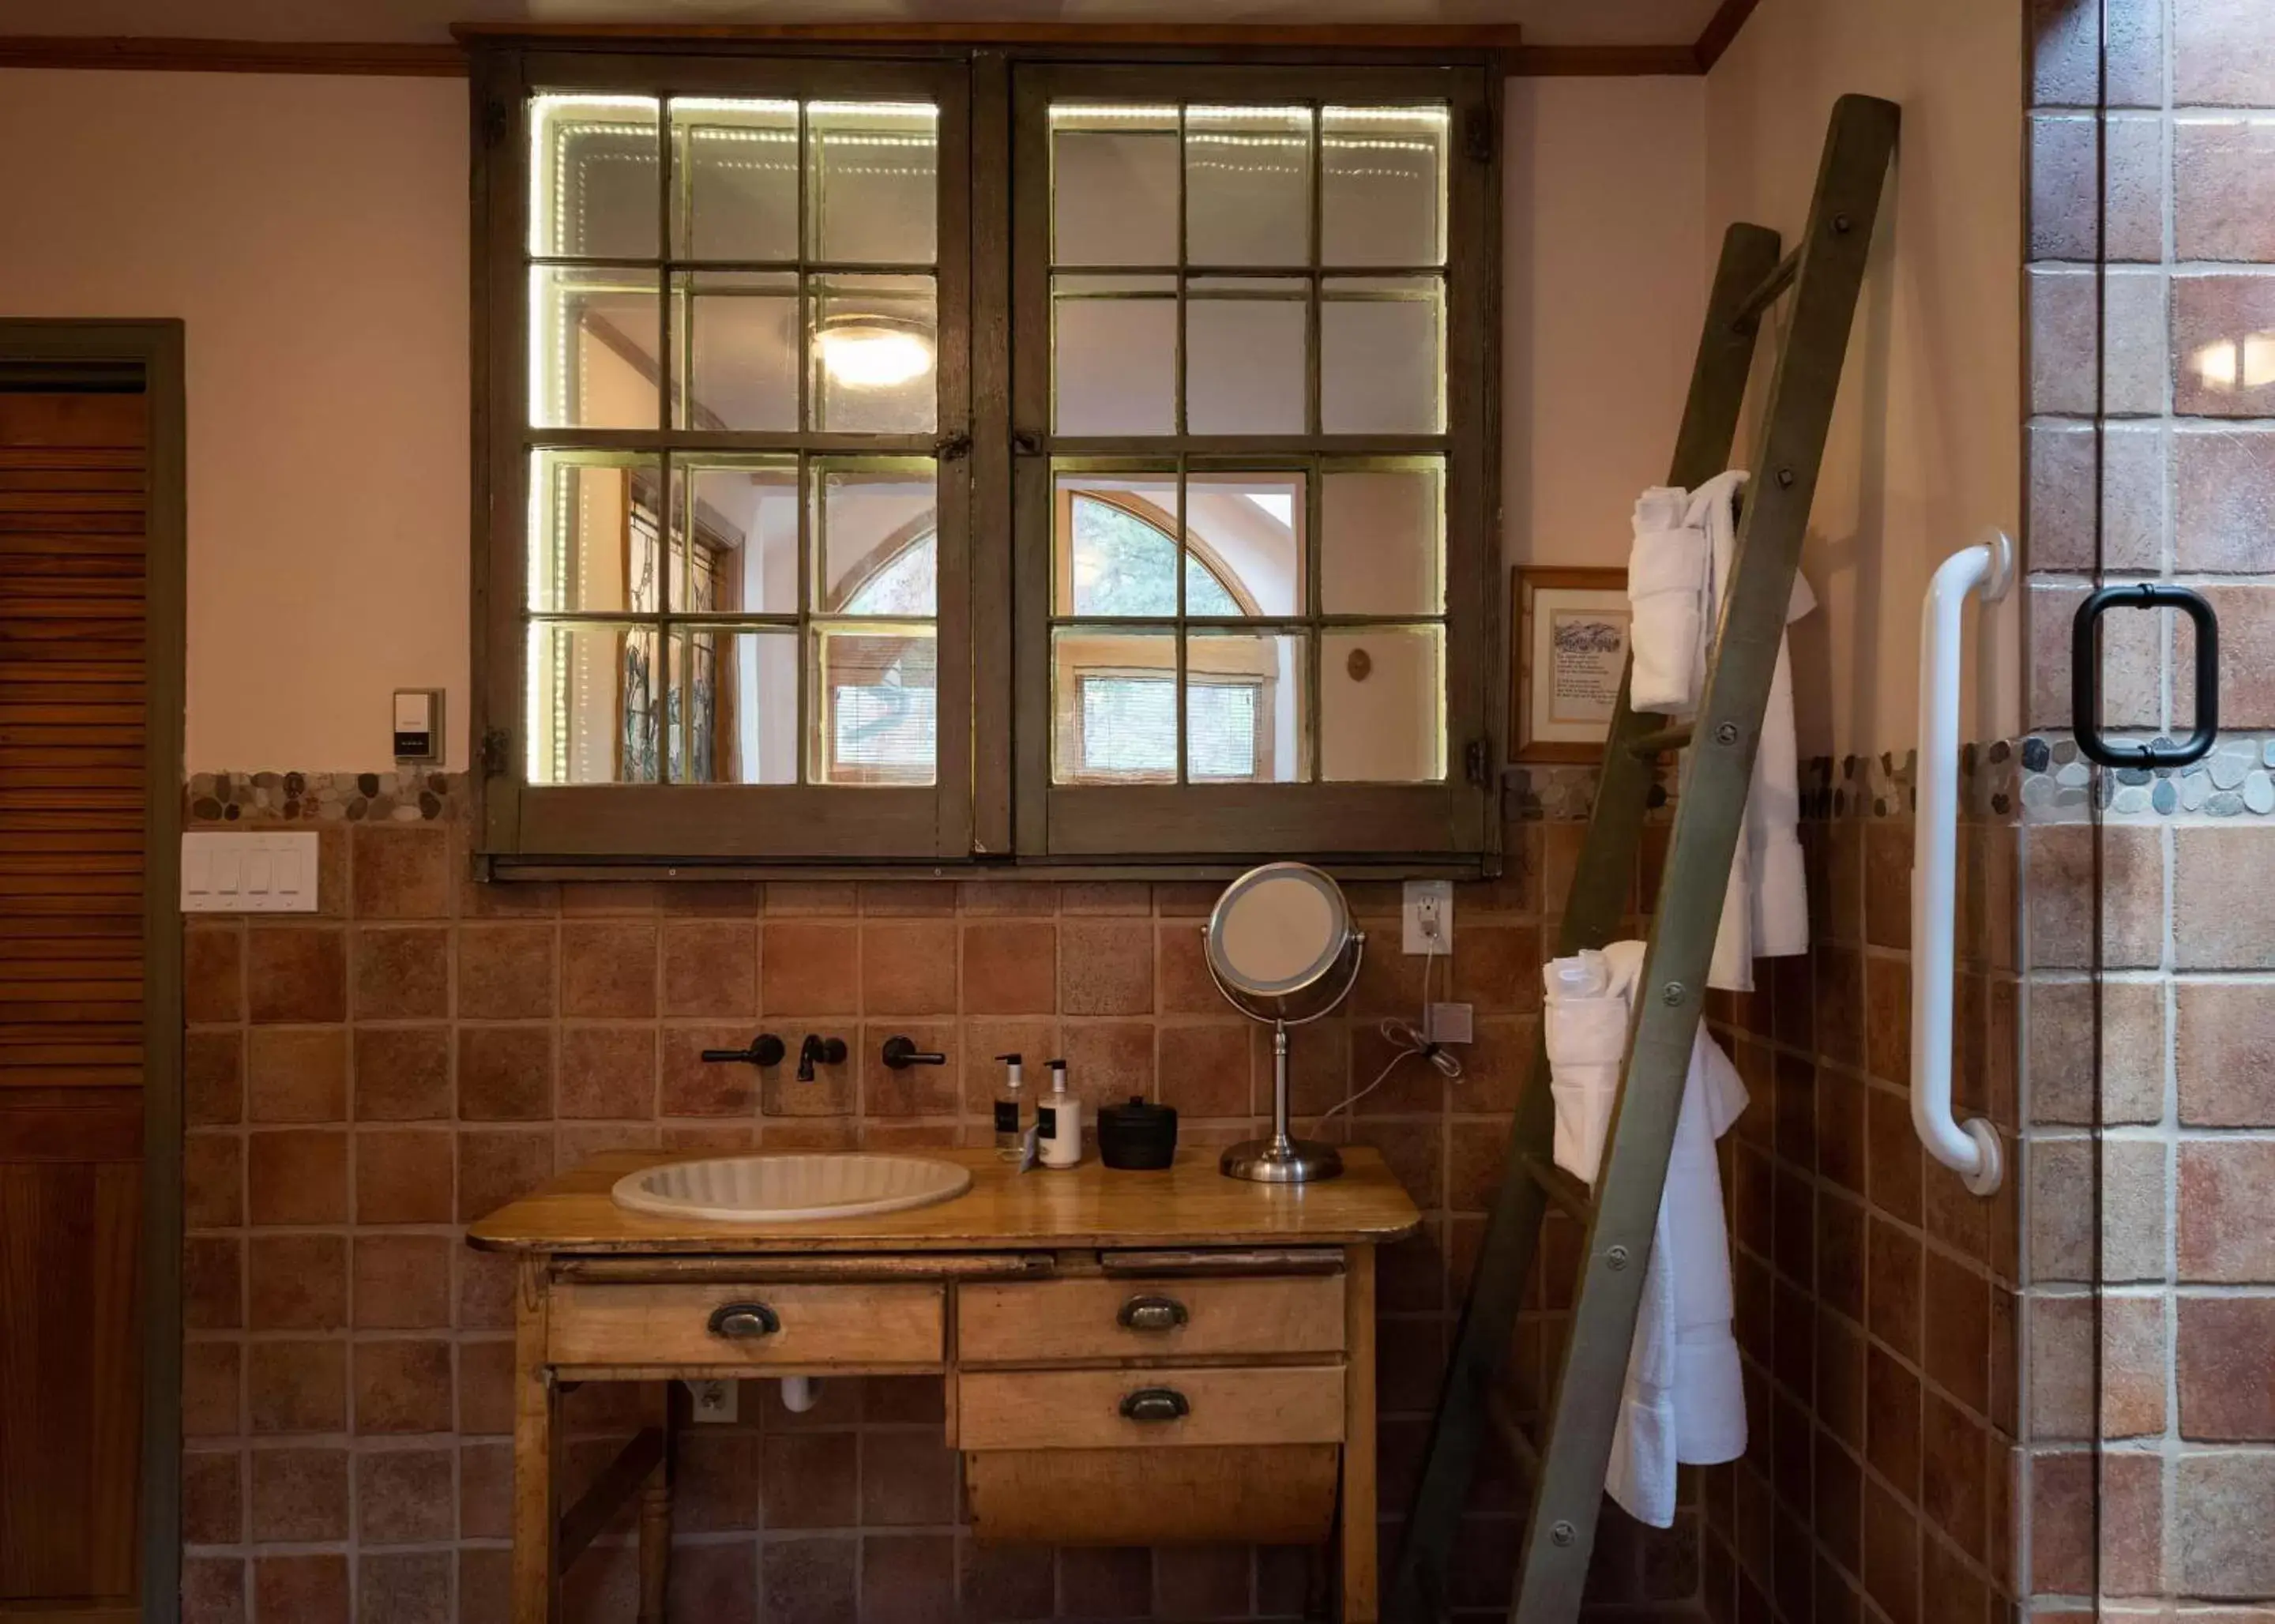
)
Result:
{"points": [[1152, 1314], [744, 1320], [1155, 1404]]}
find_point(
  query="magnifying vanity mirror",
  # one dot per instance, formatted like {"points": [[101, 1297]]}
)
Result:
{"points": [[1282, 948]]}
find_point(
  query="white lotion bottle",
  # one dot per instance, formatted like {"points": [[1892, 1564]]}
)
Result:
{"points": [[1059, 1114]]}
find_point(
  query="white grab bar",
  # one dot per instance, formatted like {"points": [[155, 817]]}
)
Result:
{"points": [[1969, 1149]]}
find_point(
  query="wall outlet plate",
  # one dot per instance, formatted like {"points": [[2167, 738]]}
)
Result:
{"points": [[714, 1400], [1428, 916]]}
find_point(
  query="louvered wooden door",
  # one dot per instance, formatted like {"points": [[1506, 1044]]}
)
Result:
{"points": [[75, 519]]}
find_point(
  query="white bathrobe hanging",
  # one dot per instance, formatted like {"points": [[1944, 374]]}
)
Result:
{"points": [[1678, 573], [1684, 1399]]}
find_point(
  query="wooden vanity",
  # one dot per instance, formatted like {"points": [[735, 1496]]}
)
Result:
{"points": [[1130, 1358]]}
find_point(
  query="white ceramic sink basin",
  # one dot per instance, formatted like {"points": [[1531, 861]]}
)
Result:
{"points": [[787, 1188]]}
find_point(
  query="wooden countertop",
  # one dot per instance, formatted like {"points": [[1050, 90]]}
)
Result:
{"points": [[1188, 1204]]}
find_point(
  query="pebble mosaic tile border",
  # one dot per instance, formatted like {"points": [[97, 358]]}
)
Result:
{"points": [[320, 798], [2237, 779], [1853, 786]]}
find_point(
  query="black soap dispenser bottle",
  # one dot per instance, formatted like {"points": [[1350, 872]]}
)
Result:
{"points": [[1011, 1131]]}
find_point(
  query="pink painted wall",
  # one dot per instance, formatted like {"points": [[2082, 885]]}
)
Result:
{"points": [[311, 233], [1925, 448]]}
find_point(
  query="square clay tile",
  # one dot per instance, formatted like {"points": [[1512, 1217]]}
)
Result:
{"points": [[213, 1078], [505, 1074], [402, 1074], [213, 1181], [405, 1586], [404, 1175], [403, 1496], [297, 1386], [499, 1165], [1105, 966], [810, 966], [710, 967], [1010, 966], [693, 1086], [298, 1175], [402, 972], [608, 1072], [908, 967], [211, 1376], [609, 969], [310, 1589], [402, 871], [297, 1074], [212, 973], [296, 973], [506, 972], [213, 1497], [403, 1387], [299, 1495], [402, 1281], [296, 1283]]}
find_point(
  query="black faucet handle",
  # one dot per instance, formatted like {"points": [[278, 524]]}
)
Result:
{"points": [[765, 1050], [902, 1052]]}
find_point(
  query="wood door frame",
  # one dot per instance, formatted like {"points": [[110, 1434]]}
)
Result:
{"points": [[156, 347]]}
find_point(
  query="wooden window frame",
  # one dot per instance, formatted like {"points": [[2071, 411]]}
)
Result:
{"points": [[702, 822], [992, 807]]}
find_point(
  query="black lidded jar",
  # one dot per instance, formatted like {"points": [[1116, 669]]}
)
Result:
{"points": [[1138, 1137]]}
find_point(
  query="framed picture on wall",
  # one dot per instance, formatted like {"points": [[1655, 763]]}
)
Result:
{"points": [[1566, 661]]}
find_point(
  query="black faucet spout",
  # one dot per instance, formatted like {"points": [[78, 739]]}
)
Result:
{"points": [[826, 1051]]}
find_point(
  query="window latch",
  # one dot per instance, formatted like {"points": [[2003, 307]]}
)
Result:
{"points": [[1474, 759], [954, 448], [496, 745]]}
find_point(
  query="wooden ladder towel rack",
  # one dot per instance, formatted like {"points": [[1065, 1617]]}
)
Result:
{"points": [[1566, 1471]]}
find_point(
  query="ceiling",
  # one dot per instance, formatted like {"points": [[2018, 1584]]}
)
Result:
{"points": [[1544, 22]]}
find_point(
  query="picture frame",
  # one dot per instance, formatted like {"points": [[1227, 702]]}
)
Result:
{"points": [[1567, 657]]}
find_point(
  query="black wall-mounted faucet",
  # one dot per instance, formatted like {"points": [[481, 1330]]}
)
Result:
{"points": [[827, 1051]]}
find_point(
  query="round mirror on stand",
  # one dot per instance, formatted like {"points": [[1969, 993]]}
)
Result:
{"points": [[1281, 949]]}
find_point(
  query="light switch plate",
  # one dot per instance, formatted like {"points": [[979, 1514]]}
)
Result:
{"points": [[270, 871]]}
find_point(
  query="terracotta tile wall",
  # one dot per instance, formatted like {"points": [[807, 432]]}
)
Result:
{"points": [[363, 1083], [2150, 1330], [1875, 1295]]}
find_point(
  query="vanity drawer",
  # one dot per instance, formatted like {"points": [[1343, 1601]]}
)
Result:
{"points": [[1219, 1406], [797, 1326], [1035, 1322]]}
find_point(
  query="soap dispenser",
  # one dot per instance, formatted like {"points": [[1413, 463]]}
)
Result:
{"points": [[1010, 1130], [1058, 1116]]}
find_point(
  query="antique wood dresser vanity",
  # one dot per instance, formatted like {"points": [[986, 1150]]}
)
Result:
{"points": [[1130, 1358]]}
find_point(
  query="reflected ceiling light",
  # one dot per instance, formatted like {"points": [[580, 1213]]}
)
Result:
{"points": [[873, 352], [2225, 365]]}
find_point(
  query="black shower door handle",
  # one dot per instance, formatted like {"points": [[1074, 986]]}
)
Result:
{"points": [[2085, 674]]}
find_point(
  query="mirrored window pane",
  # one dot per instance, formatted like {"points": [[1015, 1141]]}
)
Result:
{"points": [[738, 350], [1244, 340], [1114, 184], [741, 554], [1382, 704], [876, 708], [1382, 355], [1115, 355], [1114, 705], [1382, 186], [1114, 544], [876, 354], [594, 186], [1245, 720], [735, 189], [731, 715], [1382, 540], [592, 524], [1248, 185], [873, 182], [876, 537], [595, 344], [595, 703], [1245, 536]]}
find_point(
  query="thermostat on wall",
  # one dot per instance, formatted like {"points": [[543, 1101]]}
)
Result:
{"points": [[418, 726]]}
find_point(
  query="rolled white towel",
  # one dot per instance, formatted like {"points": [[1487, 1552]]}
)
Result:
{"points": [[1667, 574]]}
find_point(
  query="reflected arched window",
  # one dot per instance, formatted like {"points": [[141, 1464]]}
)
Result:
{"points": [[1126, 565]]}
